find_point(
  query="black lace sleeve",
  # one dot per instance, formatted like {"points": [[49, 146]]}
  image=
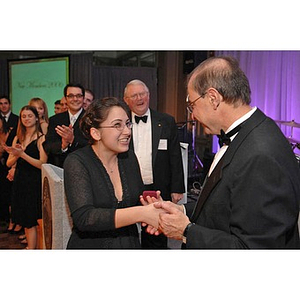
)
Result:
{"points": [[90, 201]]}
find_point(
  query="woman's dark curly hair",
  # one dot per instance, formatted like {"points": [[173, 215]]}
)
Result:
{"points": [[97, 113]]}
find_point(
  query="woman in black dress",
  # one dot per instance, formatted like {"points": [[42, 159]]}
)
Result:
{"points": [[103, 182], [28, 155]]}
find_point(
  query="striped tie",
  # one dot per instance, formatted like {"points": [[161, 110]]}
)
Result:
{"points": [[73, 120]]}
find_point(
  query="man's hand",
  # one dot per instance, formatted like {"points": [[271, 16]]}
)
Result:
{"points": [[173, 221], [67, 135]]}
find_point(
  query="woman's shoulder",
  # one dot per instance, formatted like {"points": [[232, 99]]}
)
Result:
{"points": [[83, 151], [83, 154], [40, 138], [83, 157], [44, 124]]}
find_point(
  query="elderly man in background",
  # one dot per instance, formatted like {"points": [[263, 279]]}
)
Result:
{"points": [[155, 142]]}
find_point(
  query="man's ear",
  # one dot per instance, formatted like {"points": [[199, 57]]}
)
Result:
{"points": [[215, 97]]}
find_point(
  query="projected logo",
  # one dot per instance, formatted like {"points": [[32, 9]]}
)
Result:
{"points": [[43, 78], [47, 214]]}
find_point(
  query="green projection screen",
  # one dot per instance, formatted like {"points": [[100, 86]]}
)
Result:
{"points": [[44, 78]]}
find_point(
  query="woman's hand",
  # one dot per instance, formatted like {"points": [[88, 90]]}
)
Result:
{"points": [[11, 174], [16, 151], [149, 200], [151, 219]]}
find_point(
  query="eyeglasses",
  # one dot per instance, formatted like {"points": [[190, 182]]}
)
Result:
{"points": [[141, 95], [191, 104], [119, 126], [72, 96]]}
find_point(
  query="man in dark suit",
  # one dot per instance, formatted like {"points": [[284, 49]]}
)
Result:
{"points": [[10, 123], [64, 135], [251, 196], [10, 118], [156, 144]]}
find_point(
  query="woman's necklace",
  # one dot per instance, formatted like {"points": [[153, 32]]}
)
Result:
{"points": [[111, 170], [108, 170]]}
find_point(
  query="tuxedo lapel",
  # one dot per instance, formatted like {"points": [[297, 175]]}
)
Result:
{"points": [[12, 120], [216, 175], [131, 144], [62, 119], [250, 124], [156, 134], [12, 125], [208, 186]]}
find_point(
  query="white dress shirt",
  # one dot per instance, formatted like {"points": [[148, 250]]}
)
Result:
{"points": [[142, 142], [223, 149], [73, 118], [6, 117]]}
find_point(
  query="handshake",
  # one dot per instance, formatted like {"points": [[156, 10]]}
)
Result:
{"points": [[163, 216]]}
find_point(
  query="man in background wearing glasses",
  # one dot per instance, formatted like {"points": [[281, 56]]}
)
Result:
{"points": [[64, 135], [156, 144]]}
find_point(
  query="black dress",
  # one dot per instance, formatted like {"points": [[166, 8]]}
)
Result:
{"points": [[26, 204], [92, 201]]}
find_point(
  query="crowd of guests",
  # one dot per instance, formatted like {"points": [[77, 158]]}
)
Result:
{"points": [[121, 178], [22, 155], [112, 150]]}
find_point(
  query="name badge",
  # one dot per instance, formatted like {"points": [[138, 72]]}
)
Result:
{"points": [[163, 144]]}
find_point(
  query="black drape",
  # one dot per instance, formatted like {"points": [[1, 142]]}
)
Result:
{"points": [[4, 77], [81, 66], [111, 81]]}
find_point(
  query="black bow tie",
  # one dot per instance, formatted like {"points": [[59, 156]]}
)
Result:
{"points": [[138, 119], [224, 138]]}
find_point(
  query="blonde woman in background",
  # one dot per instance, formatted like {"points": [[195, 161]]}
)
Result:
{"points": [[42, 110]]}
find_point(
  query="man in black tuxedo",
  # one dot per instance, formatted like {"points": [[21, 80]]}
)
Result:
{"points": [[156, 144], [251, 196], [64, 135], [10, 121], [10, 118]]}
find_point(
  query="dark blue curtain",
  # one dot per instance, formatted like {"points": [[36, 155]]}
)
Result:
{"points": [[111, 81], [4, 90]]}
